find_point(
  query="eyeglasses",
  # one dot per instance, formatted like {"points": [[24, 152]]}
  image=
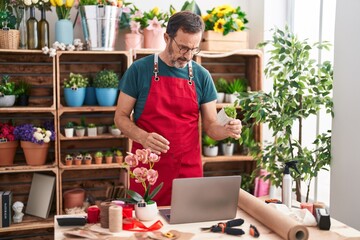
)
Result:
{"points": [[183, 50]]}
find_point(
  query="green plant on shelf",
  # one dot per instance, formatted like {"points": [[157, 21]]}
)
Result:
{"points": [[106, 79], [236, 86], [209, 142], [76, 81], [109, 153], [221, 85], [98, 154]]}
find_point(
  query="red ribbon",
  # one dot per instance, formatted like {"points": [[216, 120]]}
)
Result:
{"points": [[132, 224]]}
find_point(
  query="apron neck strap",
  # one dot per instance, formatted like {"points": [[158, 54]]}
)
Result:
{"points": [[156, 69]]}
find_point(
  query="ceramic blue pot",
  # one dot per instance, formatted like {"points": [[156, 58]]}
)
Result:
{"points": [[106, 96], [74, 98], [64, 32], [90, 97]]}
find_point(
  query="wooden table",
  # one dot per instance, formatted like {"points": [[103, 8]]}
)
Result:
{"points": [[337, 231]]}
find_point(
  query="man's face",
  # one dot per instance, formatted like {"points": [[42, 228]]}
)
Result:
{"points": [[182, 47]]}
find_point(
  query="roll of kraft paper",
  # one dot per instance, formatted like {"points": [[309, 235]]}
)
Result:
{"points": [[281, 224]]}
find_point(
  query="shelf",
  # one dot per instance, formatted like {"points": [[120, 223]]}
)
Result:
{"points": [[30, 223], [28, 168], [85, 109], [27, 109], [234, 158], [102, 136], [91, 166]]}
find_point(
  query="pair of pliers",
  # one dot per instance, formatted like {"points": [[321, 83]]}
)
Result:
{"points": [[227, 227]]}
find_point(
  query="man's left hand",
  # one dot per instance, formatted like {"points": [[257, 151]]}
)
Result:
{"points": [[234, 128]]}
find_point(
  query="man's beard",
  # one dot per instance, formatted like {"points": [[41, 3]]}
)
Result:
{"points": [[175, 62]]}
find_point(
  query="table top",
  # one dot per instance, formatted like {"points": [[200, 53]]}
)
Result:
{"points": [[338, 230]]}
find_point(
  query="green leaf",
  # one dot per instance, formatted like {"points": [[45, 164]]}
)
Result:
{"points": [[154, 192]]}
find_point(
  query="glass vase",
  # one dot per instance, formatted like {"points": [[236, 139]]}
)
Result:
{"points": [[64, 32], [43, 30], [22, 27], [32, 30]]}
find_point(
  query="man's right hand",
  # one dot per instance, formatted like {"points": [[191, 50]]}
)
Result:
{"points": [[156, 143]]}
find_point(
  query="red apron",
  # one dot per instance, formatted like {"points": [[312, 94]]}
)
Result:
{"points": [[171, 110]]}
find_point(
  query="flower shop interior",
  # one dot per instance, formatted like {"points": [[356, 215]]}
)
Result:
{"points": [[283, 73]]}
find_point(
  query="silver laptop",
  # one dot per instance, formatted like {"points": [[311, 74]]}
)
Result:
{"points": [[203, 199]]}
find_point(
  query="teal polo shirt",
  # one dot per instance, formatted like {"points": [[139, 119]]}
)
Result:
{"points": [[136, 81]]}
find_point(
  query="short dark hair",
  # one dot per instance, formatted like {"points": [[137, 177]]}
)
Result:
{"points": [[187, 21]]}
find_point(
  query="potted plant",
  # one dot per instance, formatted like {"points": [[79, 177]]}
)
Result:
{"points": [[106, 84], [91, 130], [134, 38], [9, 35], [7, 92], [227, 146], [22, 92], [115, 131], [296, 95], [35, 141], [69, 129], [109, 155], [233, 89], [210, 148], [119, 156], [100, 128], [80, 130], [87, 158], [69, 159], [98, 157], [74, 90], [8, 144], [78, 159], [221, 86], [226, 114], [145, 207]]}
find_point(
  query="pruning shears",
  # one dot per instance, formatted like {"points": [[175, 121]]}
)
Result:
{"points": [[227, 227]]}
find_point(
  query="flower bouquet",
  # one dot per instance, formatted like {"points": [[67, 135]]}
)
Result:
{"points": [[8, 144], [35, 141], [224, 29], [147, 177]]}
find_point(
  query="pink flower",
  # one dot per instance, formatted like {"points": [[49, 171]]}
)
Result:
{"points": [[142, 155], [152, 176], [154, 158], [135, 27], [131, 160], [154, 24], [140, 174]]}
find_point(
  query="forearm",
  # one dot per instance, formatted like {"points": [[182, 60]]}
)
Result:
{"points": [[129, 129], [216, 131]]}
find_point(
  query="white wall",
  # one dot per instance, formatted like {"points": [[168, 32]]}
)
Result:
{"points": [[345, 181]]}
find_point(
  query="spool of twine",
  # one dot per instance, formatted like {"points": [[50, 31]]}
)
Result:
{"points": [[115, 218], [93, 214], [104, 214]]}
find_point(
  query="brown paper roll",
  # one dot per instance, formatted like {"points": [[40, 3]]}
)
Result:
{"points": [[278, 222]]}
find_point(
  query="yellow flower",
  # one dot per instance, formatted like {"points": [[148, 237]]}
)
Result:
{"points": [[239, 23], [155, 11], [69, 3], [53, 3], [206, 17], [219, 25], [59, 3]]}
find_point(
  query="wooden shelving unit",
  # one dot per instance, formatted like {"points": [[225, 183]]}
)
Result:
{"points": [[47, 75]]}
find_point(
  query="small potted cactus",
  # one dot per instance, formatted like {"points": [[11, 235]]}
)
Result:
{"points": [[87, 158], [119, 156], [69, 159], [78, 159], [109, 155], [98, 157], [91, 130], [69, 129]]}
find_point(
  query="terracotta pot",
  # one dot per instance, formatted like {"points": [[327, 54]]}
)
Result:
{"points": [[87, 161], [77, 161], [74, 198], [98, 160], [119, 159], [35, 154], [108, 160], [133, 41], [7, 152], [68, 162], [154, 39]]}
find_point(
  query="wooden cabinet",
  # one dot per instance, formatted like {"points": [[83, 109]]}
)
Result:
{"points": [[46, 76]]}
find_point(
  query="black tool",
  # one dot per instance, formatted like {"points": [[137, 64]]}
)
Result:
{"points": [[253, 231], [323, 218], [227, 227], [72, 221]]}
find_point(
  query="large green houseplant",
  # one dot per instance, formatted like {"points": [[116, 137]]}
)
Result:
{"points": [[301, 88]]}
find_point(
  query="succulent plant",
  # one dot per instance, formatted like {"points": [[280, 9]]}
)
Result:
{"points": [[76, 81]]}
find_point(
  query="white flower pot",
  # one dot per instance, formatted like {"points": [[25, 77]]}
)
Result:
{"points": [[69, 132], [211, 151], [80, 132], [115, 131], [220, 97], [147, 212], [7, 101], [233, 97], [92, 132], [100, 129], [227, 149]]}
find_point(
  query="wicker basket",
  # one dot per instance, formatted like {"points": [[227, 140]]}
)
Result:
{"points": [[9, 39]]}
